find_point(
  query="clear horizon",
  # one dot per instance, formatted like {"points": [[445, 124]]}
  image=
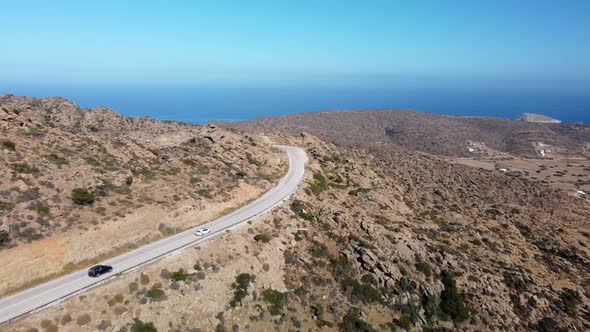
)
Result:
{"points": [[530, 44], [201, 103], [197, 61]]}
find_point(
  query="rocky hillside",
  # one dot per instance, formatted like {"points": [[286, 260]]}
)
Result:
{"points": [[81, 184], [378, 238], [417, 243], [375, 240], [428, 132]]}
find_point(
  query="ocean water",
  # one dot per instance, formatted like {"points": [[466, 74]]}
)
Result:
{"points": [[201, 104]]}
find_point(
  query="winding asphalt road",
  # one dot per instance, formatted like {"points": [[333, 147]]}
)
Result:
{"points": [[58, 289]]}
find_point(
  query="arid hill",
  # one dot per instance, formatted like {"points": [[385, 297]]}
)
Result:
{"points": [[428, 132], [375, 240], [378, 238], [78, 185]]}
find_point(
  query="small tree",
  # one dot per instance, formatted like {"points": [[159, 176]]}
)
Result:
{"points": [[179, 275], [452, 301], [264, 238], [240, 289], [275, 299], [82, 196]]}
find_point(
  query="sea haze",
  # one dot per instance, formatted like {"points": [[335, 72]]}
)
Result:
{"points": [[201, 104]]}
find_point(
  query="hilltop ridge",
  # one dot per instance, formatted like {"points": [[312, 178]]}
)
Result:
{"points": [[87, 183], [438, 134]]}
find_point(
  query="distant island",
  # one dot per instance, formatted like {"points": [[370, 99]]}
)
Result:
{"points": [[538, 118]]}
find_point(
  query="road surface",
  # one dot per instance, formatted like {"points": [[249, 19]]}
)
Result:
{"points": [[58, 289]]}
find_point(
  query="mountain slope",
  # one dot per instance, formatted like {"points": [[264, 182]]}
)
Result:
{"points": [[376, 240], [380, 237], [79, 184], [428, 132]]}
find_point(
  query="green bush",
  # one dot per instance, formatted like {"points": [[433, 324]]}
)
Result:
{"points": [[361, 292], [35, 132], [569, 301], [240, 289], [410, 315], [547, 324], [369, 279], [301, 209], [54, 158], [264, 238], [8, 145], [139, 326], [82, 196], [116, 299], [452, 301], [205, 193], [155, 294], [341, 267], [180, 275], [319, 184], [36, 236], [515, 282], [25, 168], [42, 210], [352, 322], [275, 299], [430, 303], [145, 172], [424, 267], [356, 192], [4, 206], [299, 235], [319, 250]]}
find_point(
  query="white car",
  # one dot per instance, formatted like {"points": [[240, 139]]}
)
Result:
{"points": [[202, 231]]}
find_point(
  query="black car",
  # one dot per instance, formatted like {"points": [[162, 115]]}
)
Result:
{"points": [[98, 270]]}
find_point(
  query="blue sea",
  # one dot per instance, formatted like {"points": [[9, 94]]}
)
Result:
{"points": [[201, 103]]}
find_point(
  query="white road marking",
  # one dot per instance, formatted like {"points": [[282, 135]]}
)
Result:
{"points": [[61, 288]]}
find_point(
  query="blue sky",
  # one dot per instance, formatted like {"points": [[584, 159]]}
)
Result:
{"points": [[277, 41]]}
